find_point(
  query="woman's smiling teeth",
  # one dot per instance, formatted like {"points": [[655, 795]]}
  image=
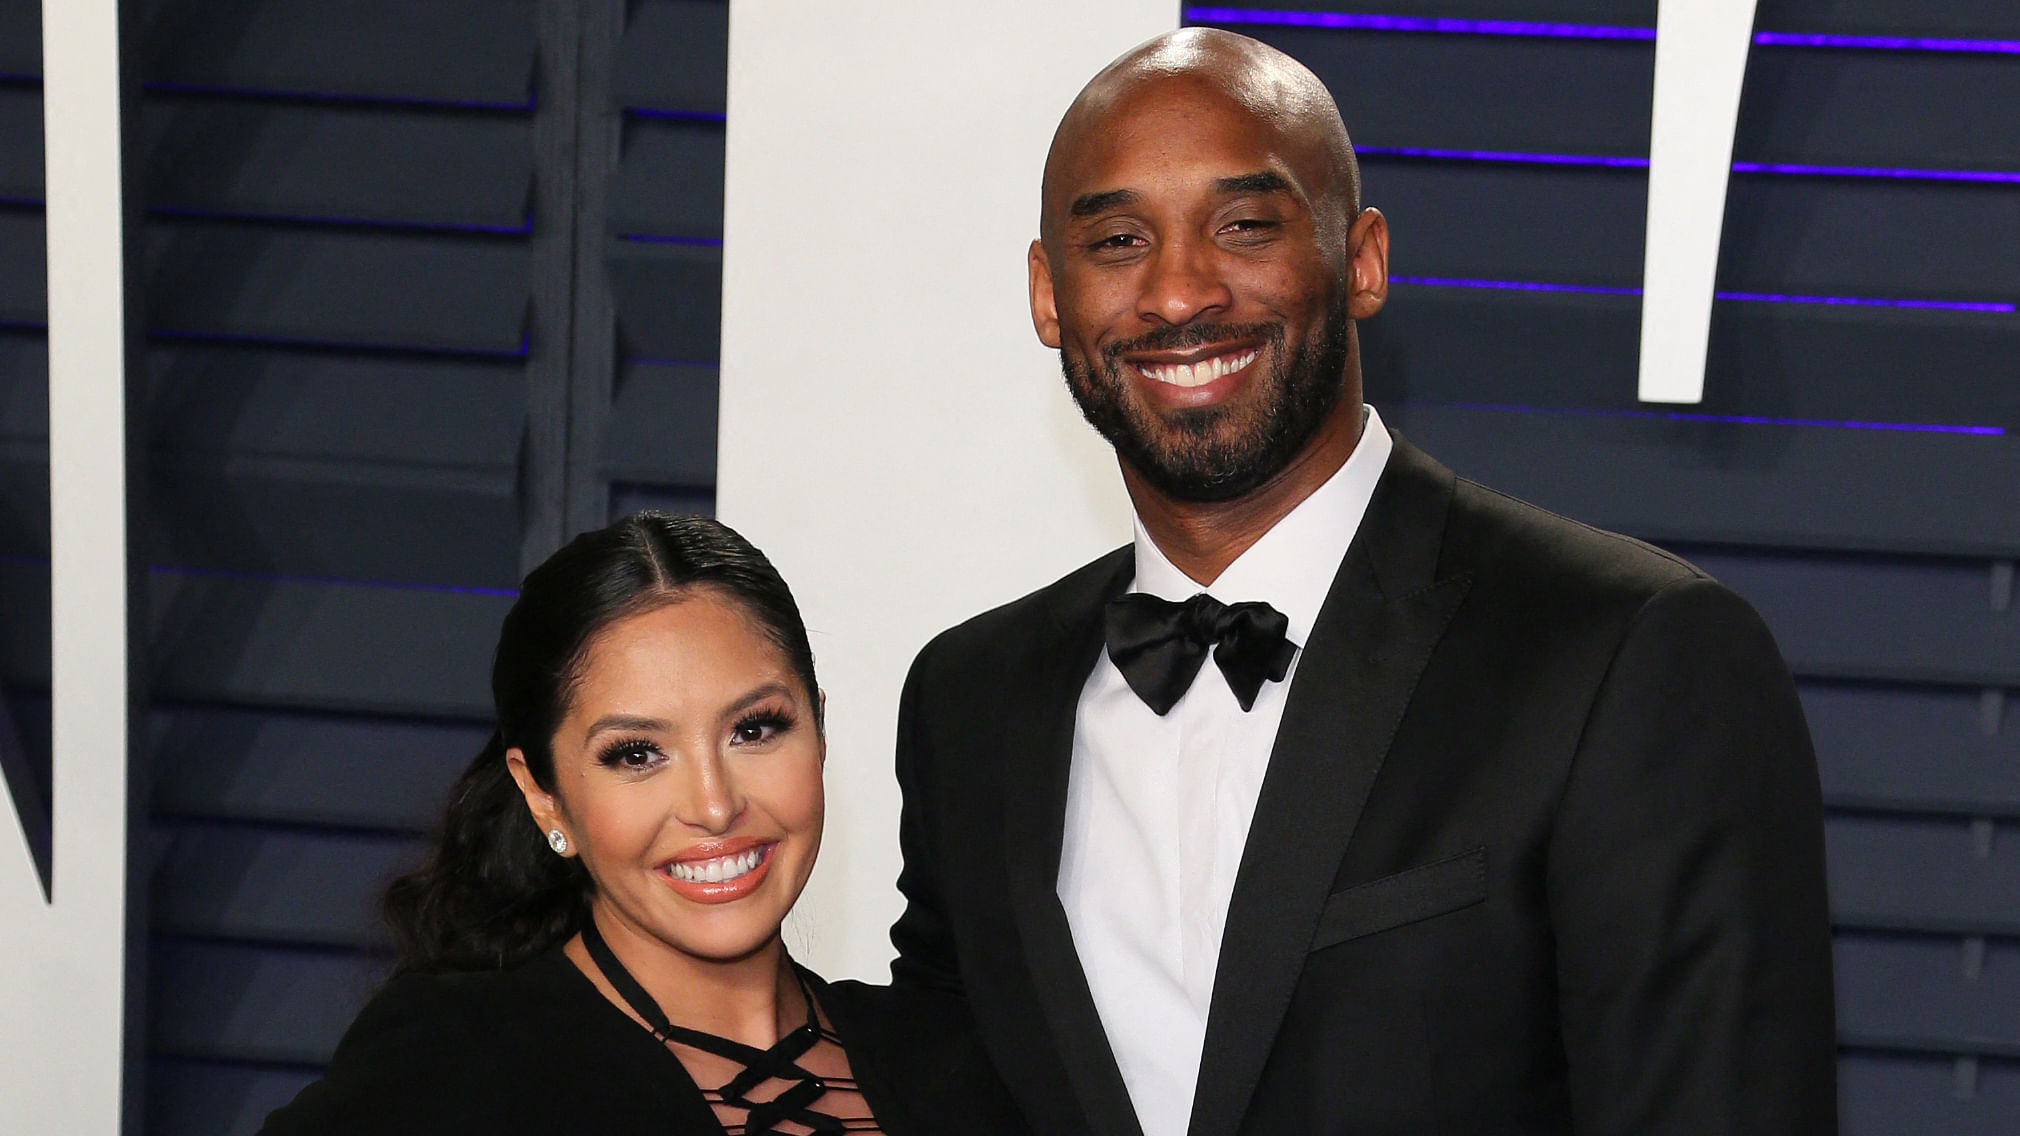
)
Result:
{"points": [[1196, 374], [718, 870]]}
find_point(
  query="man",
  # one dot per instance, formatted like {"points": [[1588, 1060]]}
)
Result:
{"points": [[1488, 822]]}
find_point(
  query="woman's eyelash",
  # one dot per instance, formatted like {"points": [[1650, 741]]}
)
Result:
{"points": [[774, 721], [620, 753]]}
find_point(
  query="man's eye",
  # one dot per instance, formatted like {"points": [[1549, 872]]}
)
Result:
{"points": [[1118, 241], [1251, 225]]}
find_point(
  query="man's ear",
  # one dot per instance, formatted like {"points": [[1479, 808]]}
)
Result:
{"points": [[1367, 263], [1044, 305], [539, 802]]}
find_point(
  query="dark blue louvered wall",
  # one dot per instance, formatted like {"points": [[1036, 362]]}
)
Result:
{"points": [[1854, 470], [24, 430], [423, 297]]}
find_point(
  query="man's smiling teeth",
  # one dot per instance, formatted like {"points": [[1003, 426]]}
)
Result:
{"points": [[718, 870], [1196, 374]]}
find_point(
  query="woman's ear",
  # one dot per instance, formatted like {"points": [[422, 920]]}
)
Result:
{"points": [[822, 714], [539, 802]]}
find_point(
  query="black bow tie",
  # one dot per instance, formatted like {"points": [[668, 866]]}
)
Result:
{"points": [[1159, 646]]}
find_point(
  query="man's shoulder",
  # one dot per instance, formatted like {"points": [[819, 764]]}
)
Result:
{"points": [[1035, 616], [1502, 539]]}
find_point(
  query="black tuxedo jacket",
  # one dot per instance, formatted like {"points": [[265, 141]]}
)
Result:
{"points": [[1540, 848]]}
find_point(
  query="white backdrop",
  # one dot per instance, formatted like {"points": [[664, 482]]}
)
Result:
{"points": [[892, 433]]}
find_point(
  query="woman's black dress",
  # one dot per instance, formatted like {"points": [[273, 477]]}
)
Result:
{"points": [[539, 1050]]}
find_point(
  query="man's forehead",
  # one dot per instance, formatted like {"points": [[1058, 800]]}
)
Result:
{"points": [[1217, 141]]}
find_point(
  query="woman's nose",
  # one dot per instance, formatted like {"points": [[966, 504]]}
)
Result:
{"points": [[709, 799]]}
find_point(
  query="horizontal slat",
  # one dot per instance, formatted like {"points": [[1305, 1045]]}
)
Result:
{"points": [[207, 1098], [1920, 619], [20, 37], [1816, 236], [395, 165], [675, 56], [24, 605], [433, 292], [315, 645], [24, 387], [1681, 481], [232, 1001], [1480, 92], [1922, 110], [670, 179], [1929, 993], [425, 412], [23, 269], [1884, 1094], [1922, 875], [294, 517], [444, 50], [1782, 235], [1581, 97], [1785, 360], [1916, 749], [662, 425], [669, 300], [20, 139], [24, 499], [275, 885], [294, 768]]}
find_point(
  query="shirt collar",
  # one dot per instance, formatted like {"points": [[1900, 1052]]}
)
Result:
{"points": [[1292, 567]]}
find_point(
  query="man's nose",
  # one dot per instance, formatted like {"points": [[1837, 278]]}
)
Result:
{"points": [[1184, 284], [709, 799]]}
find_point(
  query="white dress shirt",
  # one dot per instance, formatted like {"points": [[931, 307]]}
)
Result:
{"points": [[1158, 809]]}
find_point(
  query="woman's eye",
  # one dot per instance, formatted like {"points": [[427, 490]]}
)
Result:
{"points": [[757, 729], [631, 755]]}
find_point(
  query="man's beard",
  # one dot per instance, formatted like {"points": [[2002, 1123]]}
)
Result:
{"points": [[1217, 453]]}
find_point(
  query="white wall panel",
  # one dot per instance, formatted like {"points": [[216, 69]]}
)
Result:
{"points": [[891, 432]]}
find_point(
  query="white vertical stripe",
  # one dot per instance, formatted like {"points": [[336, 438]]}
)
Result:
{"points": [[62, 965], [891, 432], [1700, 64]]}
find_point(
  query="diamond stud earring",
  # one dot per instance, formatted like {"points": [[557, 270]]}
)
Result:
{"points": [[558, 841]]}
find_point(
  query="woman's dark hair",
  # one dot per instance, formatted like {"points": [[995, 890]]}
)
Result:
{"points": [[493, 894]]}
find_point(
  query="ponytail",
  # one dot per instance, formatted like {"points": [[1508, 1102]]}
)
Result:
{"points": [[493, 895]]}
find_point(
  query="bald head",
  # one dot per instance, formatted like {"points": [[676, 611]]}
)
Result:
{"points": [[1280, 95]]}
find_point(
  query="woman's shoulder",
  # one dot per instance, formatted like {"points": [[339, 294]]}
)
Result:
{"points": [[437, 1052], [920, 1059]]}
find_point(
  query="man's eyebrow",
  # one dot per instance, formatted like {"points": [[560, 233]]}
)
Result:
{"points": [[1262, 181], [1089, 204]]}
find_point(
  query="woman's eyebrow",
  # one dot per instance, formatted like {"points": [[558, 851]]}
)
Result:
{"points": [[623, 722], [758, 694]]}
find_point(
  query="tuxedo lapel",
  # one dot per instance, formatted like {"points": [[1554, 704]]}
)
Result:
{"points": [[1374, 635], [1037, 753]]}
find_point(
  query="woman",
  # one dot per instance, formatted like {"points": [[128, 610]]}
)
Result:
{"points": [[595, 946]]}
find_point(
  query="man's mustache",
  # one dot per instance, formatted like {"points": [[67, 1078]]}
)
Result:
{"points": [[1181, 336]]}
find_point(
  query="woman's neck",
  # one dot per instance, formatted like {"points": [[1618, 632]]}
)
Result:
{"points": [[754, 999]]}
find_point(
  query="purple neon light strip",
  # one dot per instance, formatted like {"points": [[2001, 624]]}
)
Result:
{"points": [[1763, 297], [1888, 43], [1629, 161], [1359, 21], [1699, 416]]}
